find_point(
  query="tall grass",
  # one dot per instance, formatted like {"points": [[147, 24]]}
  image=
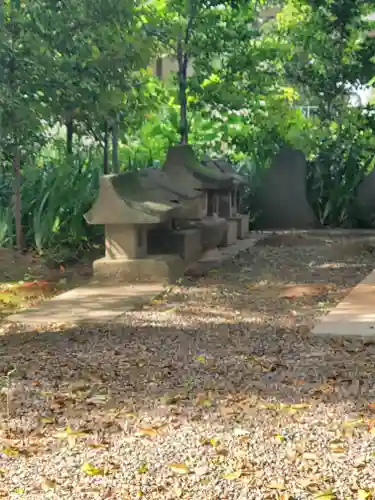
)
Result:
{"points": [[56, 192]]}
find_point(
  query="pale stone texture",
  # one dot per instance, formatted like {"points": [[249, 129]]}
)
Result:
{"points": [[230, 235], [90, 303], [354, 316], [155, 268], [125, 242], [242, 225]]}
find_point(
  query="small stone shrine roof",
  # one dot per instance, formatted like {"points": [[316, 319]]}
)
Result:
{"points": [[143, 197], [183, 168], [225, 167]]}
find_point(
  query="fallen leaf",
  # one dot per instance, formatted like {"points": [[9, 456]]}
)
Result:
{"points": [[310, 456], [232, 476], [277, 485], [300, 406], [338, 449], [98, 446], [364, 495], [147, 431], [179, 468], [10, 451], [325, 495], [215, 442], [47, 420], [171, 400], [178, 492], [98, 399], [352, 423], [244, 439], [222, 452], [206, 403], [201, 471], [279, 437], [201, 359], [169, 310], [48, 484], [291, 454], [143, 469], [91, 470], [130, 414]]}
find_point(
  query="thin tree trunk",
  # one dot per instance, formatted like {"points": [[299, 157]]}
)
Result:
{"points": [[17, 199], [115, 162], [69, 136], [159, 68], [105, 149], [182, 59]]}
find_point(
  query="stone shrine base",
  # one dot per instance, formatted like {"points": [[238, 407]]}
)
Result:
{"points": [[242, 225], [183, 242], [230, 235], [155, 268]]}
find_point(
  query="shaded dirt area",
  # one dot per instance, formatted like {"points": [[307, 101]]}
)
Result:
{"points": [[216, 391], [26, 280]]}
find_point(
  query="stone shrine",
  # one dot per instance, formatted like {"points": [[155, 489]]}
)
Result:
{"points": [[182, 167], [280, 202], [230, 200], [159, 222], [129, 205]]}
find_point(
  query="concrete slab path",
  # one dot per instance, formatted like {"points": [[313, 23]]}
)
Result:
{"points": [[95, 303], [354, 316], [89, 304]]}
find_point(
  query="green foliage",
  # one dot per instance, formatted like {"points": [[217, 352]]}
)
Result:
{"points": [[329, 56], [84, 63], [344, 154], [56, 192]]}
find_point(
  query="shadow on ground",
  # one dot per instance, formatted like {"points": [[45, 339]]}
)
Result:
{"points": [[80, 373]]}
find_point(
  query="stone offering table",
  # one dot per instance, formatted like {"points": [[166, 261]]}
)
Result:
{"points": [[130, 205], [183, 169]]}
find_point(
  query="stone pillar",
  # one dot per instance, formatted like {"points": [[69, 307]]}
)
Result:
{"points": [[125, 241], [238, 200], [211, 203], [225, 205]]}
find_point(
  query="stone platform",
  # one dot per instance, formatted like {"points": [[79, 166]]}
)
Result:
{"points": [[354, 316], [89, 304]]}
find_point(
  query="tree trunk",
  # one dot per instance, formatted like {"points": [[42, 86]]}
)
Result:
{"points": [[69, 136], [182, 59], [159, 68], [115, 162], [105, 149], [17, 198]]}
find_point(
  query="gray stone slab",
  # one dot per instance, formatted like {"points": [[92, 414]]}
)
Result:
{"points": [[354, 316], [226, 253], [281, 199], [89, 304]]}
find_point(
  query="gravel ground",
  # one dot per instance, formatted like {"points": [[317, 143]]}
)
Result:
{"points": [[216, 391]]}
